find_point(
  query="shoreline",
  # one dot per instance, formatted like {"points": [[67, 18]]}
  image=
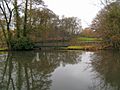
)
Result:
{"points": [[85, 48]]}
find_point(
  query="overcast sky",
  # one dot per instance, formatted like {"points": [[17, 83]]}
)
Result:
{"points": [[86, 10]]}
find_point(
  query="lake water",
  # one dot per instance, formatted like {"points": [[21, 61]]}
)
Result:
{"points": [[60, 70]]}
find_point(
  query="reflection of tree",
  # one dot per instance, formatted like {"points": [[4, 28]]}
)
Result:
{"points": [[107, 66], [32, 70], [19, 74], [60, 57]]}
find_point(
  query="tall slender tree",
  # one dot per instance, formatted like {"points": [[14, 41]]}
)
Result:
{"points": [[25, 18], [17, 18]]}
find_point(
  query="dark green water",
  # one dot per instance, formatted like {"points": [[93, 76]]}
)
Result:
{"points": [[60, 70]]}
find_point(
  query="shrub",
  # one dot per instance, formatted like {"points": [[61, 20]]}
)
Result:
{"points": [[21, 43], [115, 41]]}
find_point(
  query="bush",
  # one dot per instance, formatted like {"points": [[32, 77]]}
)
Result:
{"points": [[21, 43], [115, 41]]}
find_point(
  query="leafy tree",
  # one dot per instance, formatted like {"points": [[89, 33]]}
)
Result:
{"points": [[70, 25], [7, 17], [107, 24], [42, 22], [88, 32]]}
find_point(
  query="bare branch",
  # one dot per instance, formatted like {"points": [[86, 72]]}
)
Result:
{"points": [[4, 13], [7, 6]]}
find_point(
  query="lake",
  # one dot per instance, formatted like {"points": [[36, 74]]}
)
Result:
{"points": [[60, 70]]}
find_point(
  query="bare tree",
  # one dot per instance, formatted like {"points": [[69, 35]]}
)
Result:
{"points": [[7, 13]]}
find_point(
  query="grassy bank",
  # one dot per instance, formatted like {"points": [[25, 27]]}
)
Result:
{"points": [[84, 43], [81, 48], [3, 49], [77, 43], [88, 39]]}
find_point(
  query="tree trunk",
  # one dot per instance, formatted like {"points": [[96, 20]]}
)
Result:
{"points": [[30, 13], [9, 37], [25, 19], [4, 4], [17, 19]]}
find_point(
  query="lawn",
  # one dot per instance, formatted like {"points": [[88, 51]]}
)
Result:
{"points": [[77, 47], [88, 39], [2, 49]]}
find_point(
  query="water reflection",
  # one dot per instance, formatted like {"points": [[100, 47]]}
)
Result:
{"points": [[60, 70], [106, 66], [32, 70]]}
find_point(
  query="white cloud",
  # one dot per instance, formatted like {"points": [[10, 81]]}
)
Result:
{"points": [[86, 10]]}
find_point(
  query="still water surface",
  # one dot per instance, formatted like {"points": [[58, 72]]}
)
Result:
{"points": [[60, 70]]}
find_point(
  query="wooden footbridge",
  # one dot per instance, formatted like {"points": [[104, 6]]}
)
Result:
{"points": [[50, 44]]}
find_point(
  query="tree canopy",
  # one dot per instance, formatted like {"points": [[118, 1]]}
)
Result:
{"points": [[107, 24]]}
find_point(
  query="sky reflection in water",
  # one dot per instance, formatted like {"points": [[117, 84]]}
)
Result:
{"points": [[60, 70]]}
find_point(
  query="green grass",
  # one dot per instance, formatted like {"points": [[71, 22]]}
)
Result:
{"points": [[88, 39], [1, 49], [75, 47]]}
